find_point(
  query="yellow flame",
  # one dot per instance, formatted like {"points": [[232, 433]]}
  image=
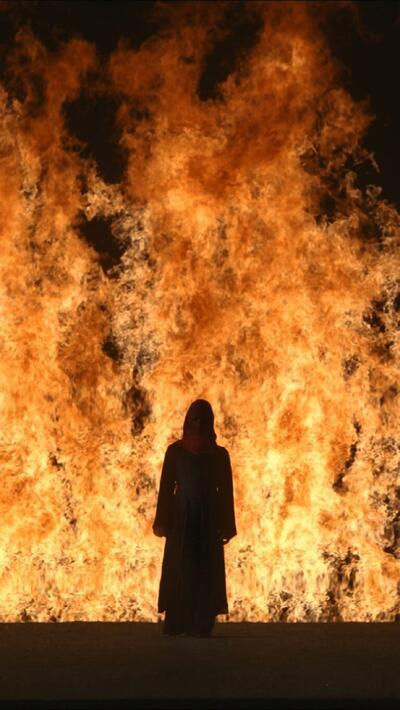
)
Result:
{"points": [[229, 289]]}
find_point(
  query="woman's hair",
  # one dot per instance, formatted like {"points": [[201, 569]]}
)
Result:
{"points": [[199, 419]]}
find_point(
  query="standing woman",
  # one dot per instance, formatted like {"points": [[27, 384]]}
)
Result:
{"points": [[196, 515]]}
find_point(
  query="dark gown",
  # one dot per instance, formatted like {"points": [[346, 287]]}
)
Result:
{"points": [[194, 511]]}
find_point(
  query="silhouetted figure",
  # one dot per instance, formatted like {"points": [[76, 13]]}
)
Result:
{"points": [[195, 513]]}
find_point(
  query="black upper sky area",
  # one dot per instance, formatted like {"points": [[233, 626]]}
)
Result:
{"points": [[369, 50]]}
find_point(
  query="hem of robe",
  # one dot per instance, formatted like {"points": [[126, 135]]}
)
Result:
{"points": [[224, 610]]}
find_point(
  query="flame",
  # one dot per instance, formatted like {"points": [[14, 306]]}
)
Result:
{"points": [[228, 281]]}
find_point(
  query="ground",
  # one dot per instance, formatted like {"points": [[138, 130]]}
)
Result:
{"points": [[242, 665]]}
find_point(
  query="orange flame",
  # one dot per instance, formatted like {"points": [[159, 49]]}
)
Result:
{"points": [[228, 286]]}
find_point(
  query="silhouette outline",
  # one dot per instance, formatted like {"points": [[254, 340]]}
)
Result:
{"points": [[195, 513]]}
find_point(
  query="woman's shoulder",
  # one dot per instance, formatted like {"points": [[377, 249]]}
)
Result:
{"points": [[223, 454], [173, 447], [176, 448], [218, 450]]}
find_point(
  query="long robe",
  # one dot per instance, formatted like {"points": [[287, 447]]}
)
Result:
{"points": [[195, 511]]}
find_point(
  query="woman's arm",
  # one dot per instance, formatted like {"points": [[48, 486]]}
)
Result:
{"points": [[228, 525], [163, 519]]}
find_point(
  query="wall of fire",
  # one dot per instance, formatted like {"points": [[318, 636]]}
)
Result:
{"points": [[221, 246]]}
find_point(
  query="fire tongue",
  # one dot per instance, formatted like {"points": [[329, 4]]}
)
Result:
{"points": [[229, 254]]}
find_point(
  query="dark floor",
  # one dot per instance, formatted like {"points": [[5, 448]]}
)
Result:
{"points": [[260, 665]]}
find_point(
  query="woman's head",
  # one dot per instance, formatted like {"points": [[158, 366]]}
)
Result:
{"points": [[199, 419]]}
